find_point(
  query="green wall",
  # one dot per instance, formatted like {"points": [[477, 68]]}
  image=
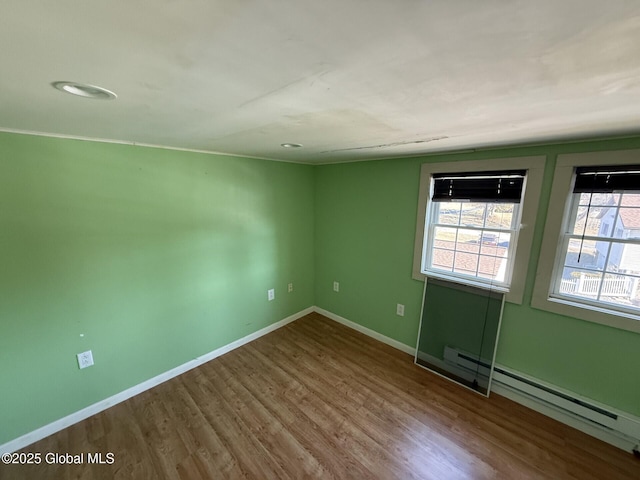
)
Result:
{"points": [[152, 257], [149, 257], [365, 226]]}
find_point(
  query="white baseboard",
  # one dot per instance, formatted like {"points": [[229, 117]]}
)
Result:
{"points": [[600, 432], [53, 427], [367, 331], [574, 421]]}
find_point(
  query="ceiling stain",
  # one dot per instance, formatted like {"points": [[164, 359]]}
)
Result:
{"points": [[389, 145]]}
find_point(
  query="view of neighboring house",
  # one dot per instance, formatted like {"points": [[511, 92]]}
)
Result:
{"points": [[623, 223], [613, 219]]}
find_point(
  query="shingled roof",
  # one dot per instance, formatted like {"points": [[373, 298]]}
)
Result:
{"points": [[630, 216], [489, 261]]}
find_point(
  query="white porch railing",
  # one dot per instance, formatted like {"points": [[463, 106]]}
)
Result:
{"points": [[584, 285]]}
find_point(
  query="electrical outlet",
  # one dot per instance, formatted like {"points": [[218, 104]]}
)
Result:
{"points": [[290, 288], [85, 359], [271, 294], [400, 309], [336, 286]]}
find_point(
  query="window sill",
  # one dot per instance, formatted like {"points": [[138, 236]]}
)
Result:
{"points": [[423, 276], [610, 318], [467, 281]]}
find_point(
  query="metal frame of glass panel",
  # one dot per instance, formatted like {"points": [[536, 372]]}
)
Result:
{"points": [[458, 334]]}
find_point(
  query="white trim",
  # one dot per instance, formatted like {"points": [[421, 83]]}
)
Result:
{"points": [[499, 388], [367, 331], [53, 427], [605, 434], [145, 145], [535, 173], [556, 217]]}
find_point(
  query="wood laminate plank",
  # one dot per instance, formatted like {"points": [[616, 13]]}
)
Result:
{"points": [[316, 399]]}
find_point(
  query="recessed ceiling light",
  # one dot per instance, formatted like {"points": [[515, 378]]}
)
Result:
{"points": [[83, 90], [291, 145]]}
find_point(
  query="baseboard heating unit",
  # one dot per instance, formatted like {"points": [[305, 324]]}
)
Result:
{"points": [[618, 428]]}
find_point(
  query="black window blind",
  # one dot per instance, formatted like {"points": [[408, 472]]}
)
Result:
{"points": [[607, 179], [491, 187]]}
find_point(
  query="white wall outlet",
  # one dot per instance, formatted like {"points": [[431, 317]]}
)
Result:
{"points": [[271, 294], [336, 286], [85, 359], [400, 309], [290, 288]]}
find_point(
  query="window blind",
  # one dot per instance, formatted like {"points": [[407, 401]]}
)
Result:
{"points": [[490, 187], [607, 179]]}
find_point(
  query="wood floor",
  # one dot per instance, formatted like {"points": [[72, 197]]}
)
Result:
{"points": [[318, 400]]}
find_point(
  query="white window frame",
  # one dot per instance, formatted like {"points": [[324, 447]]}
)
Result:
{"points": [[529, 207], [557, 216], [431, 225]]}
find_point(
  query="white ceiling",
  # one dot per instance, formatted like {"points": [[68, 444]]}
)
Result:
{"points": [[348, 79]]}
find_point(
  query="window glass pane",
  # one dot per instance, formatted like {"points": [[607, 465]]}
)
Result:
{"points": [[504, 240], [442, 259], [580, 283], [473, 214], [499, 215], [628, 225], [497, 244], [489, 238], [465, 263], [469, 240], [586, 254], [444, 237], [620, 290], [492, 267], [597, 199], [598, 219], [489, 244], [630, 199], [624, 258], [448, 213]]}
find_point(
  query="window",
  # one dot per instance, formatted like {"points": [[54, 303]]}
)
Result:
{"points": [[471, 217], [590, 258], [594, 267], [473, 225]]}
